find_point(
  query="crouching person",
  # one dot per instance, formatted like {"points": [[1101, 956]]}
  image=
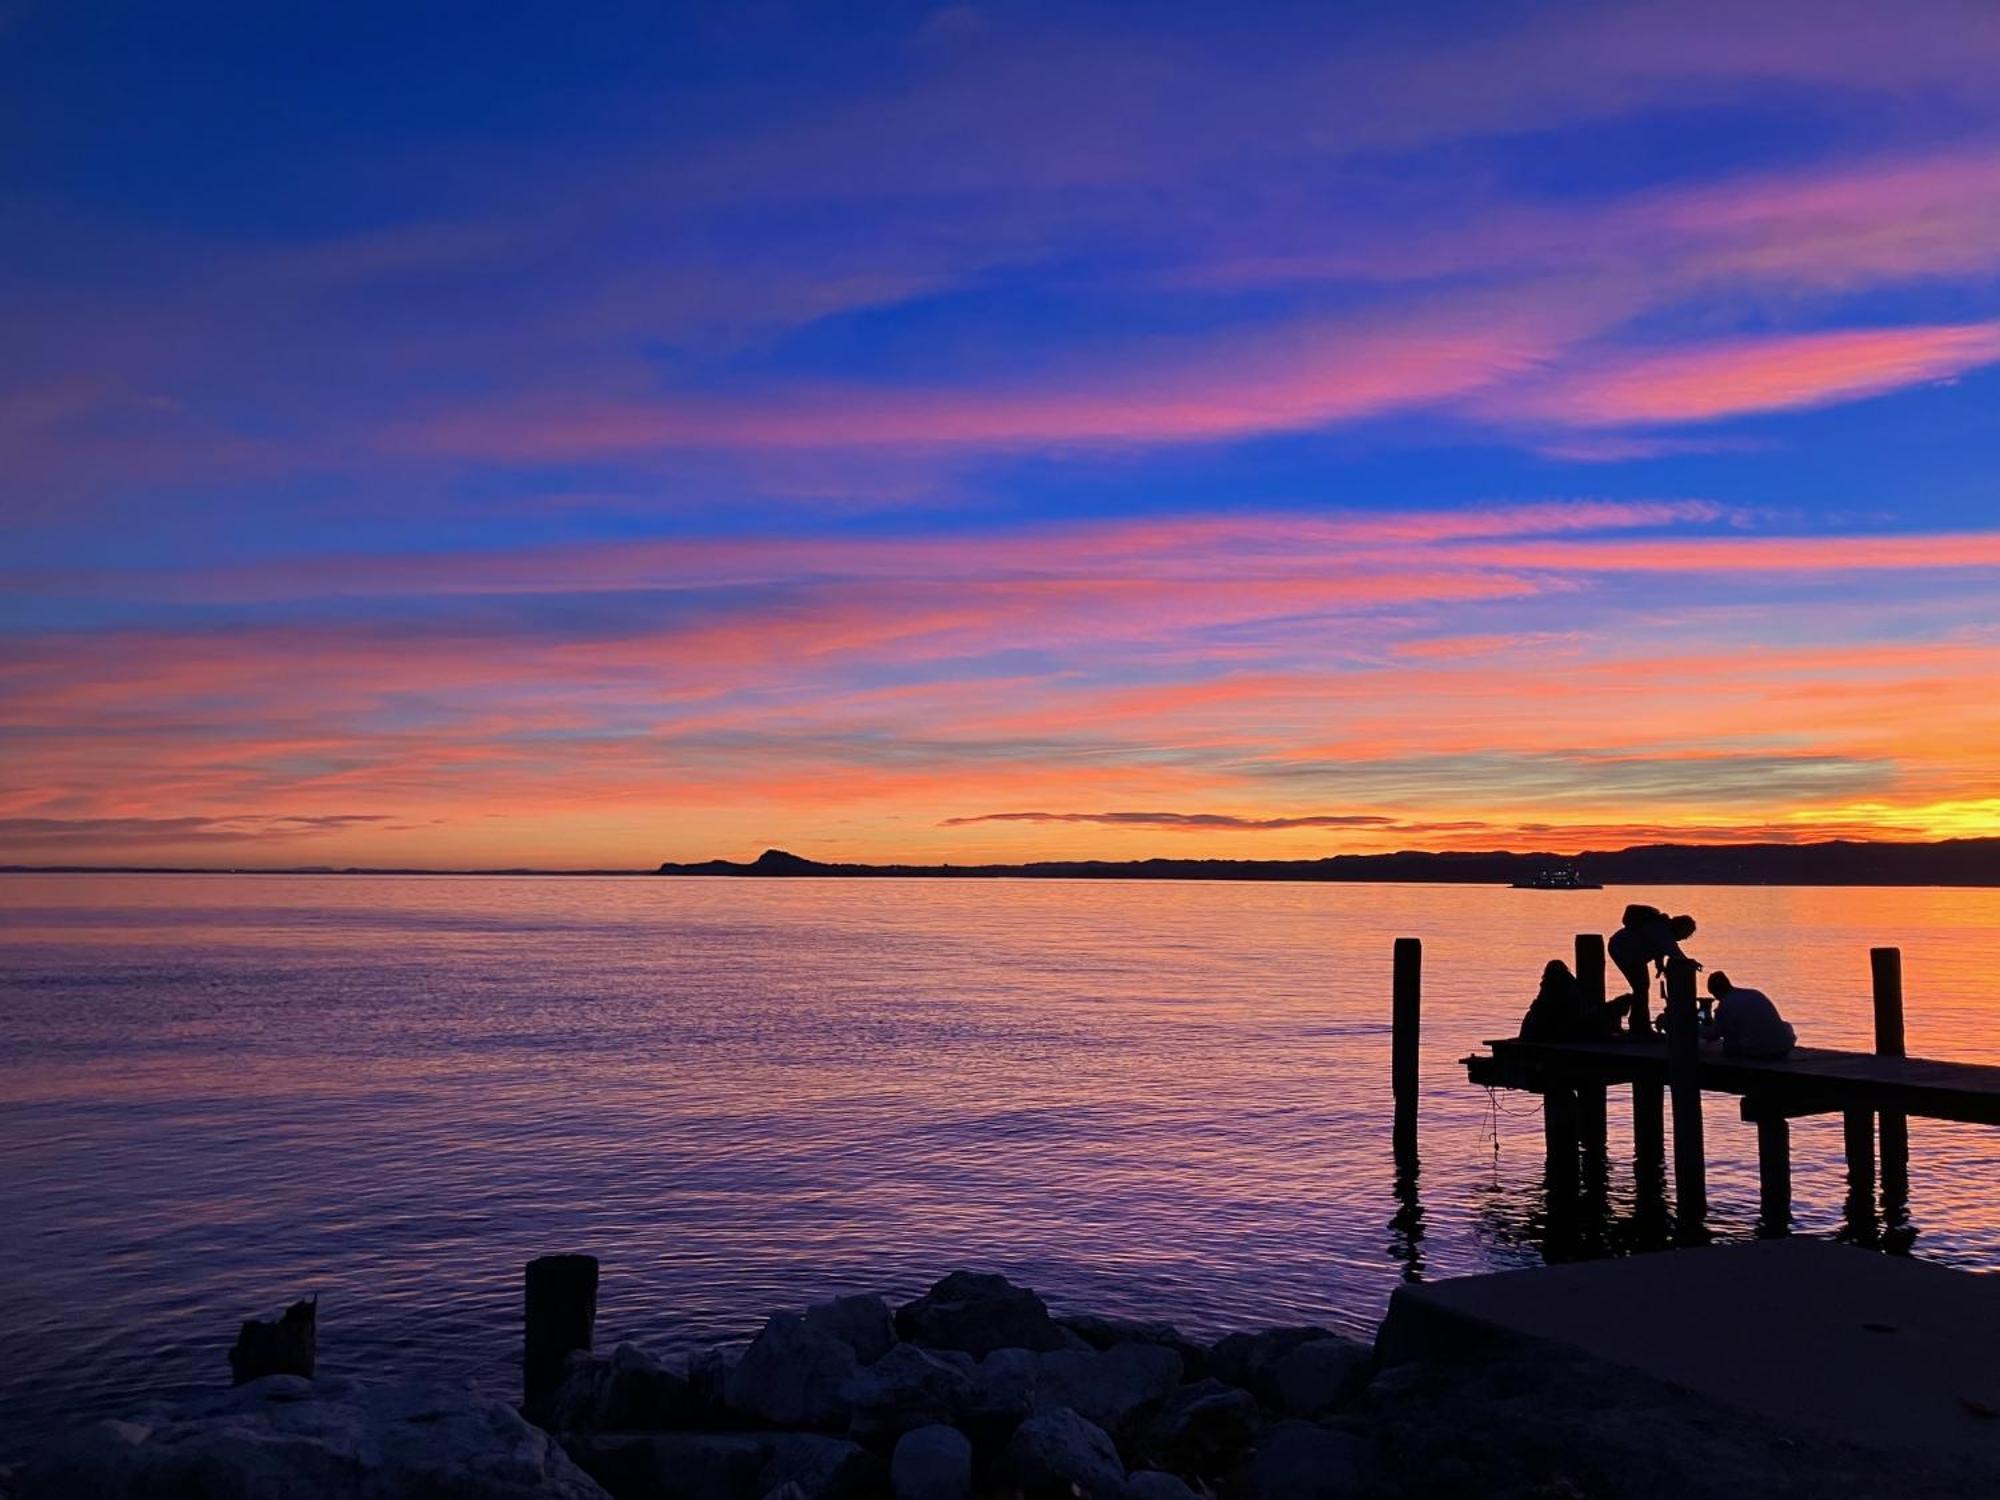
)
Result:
{"points": [[1746, 1021]]}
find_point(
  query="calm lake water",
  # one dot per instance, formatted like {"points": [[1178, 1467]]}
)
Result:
{"points": [[218, 1093]]}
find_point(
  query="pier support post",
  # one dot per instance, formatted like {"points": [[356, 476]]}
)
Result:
{"points": [[1406, 1028], [1590, 1097], [1591, 1124], [1858, 1131], [1649, 1127], [1774, 1176], [1886, 966], [561, 1315], [1559, 1142], [1684, 1080]]}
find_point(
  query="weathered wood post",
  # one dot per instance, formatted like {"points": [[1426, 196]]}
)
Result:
{"points": [[1774, 1173], [284, 1346], [1886, 966], [1858, 1130], [1559, 1143], [1590, 1097], [1684, 1081], [1649, 1126], [561, 1314], [1406, 1028]]}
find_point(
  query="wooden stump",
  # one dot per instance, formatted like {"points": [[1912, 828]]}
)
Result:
{"points": [[284, 1346], [560, 1315]]}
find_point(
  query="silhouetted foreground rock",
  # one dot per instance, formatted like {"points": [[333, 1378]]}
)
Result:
{"points": [[287, 1438], [851, 1400]]}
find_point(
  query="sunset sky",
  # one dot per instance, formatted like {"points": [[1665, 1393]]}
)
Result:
{"points": [[590, 435]]}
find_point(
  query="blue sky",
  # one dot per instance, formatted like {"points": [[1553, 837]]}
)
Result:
{"points": [[656, 430]]}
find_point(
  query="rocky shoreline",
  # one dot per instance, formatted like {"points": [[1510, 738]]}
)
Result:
{"points": [[974, 1389]]}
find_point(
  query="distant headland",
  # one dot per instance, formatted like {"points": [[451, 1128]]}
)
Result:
{"points": [[1955, 862], [1963, 862]]}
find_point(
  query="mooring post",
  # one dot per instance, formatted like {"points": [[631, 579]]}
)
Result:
{"points": [[1684, 1081], [1649, 1126], [1886, 965], [1590, 1097], [1858, 1128], [1559, 1143], [1406, 1027], [561, 1314], [1774, 1175]]}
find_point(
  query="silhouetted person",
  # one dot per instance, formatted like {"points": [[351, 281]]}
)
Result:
{"points": [[1746, 1022], [1647, 940], [1561, 1013]]}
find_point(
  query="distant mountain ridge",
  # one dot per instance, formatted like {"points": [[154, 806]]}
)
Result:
{"points": [[1958, 862]]}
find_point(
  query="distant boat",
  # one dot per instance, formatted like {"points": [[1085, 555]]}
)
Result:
{"points": [[1558, 878]]}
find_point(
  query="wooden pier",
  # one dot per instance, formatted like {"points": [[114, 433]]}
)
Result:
{"points": [[1876, 1093]]}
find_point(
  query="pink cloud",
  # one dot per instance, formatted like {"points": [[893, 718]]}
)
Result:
{"points": [[1739, 376]]}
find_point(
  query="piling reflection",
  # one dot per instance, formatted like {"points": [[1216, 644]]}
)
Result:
{"points": [[1406, 1226]]}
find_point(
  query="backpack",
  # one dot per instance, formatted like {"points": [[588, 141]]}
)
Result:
{"points": [[1638, 914]]}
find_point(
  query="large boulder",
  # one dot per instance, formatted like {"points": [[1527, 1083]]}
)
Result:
{"points": [[819, 1468], [1244, 1358], [1300, 1461], [931, 1463], [1003, 1384], [978, 1313], [286, 1438], [673, 1465], [861, 1322], [629, 1391], [793, 1376], [1201, 1428], [1109, 1333], [906, 1388], [1058, 1455], [1315, 1376], [708, 1372], [1157, 1484], [1112, 1388]]}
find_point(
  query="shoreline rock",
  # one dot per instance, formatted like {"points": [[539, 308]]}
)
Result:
{"points": [[853, 1400]]}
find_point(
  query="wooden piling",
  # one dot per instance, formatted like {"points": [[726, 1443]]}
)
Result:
{"points": [[1774, 1175], [1591, 1124], [1684, 1082], [1590, 1098], [1886, 967], [1406, 1019], [1858, 1129], [1406, 1030], [1559, 1143], [560, 1315], [1649, 1126]]}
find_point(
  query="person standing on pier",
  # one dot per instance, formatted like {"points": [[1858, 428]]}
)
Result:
{"points": [[1648, 938]]}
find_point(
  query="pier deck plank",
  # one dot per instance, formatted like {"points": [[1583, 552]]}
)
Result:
{"points": [[1812, 1079]]}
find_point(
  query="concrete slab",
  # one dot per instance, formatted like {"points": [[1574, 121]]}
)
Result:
{"points": [[1816, 1338]]}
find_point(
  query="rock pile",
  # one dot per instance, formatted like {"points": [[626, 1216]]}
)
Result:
{"points": [[974, 1388], [283, 1437]]}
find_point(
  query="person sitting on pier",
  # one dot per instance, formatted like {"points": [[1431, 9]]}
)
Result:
{"points": [[1561, 1013], [1648, 938], [1746, 1022]]}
